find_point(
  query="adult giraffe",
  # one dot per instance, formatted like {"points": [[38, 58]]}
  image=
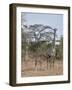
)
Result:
{"points": [[39, 32]]}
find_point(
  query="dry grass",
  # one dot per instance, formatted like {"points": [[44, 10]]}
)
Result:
{"points": [[28, 68]]}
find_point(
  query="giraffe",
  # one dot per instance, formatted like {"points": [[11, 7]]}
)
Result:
{"points": [[50, 57], [38, 32]]}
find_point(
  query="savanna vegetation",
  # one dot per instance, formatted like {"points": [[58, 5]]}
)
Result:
{"points": [[40, 53]]}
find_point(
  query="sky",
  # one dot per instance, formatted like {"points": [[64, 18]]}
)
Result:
{"points": [[53, 20]]}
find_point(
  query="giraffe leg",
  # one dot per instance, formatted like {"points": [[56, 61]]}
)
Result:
{"points": [[50, 63], [53, 63], [36, 64], [40, 65], [47, 63]]}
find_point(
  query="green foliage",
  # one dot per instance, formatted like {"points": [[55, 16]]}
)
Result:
{"points": [[40, 48], [59, 50]]}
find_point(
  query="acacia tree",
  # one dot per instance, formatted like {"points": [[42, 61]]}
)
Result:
{"points": [[39, 33]]}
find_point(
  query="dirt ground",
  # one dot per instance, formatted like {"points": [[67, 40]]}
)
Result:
{"points": [[28, 68]]}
